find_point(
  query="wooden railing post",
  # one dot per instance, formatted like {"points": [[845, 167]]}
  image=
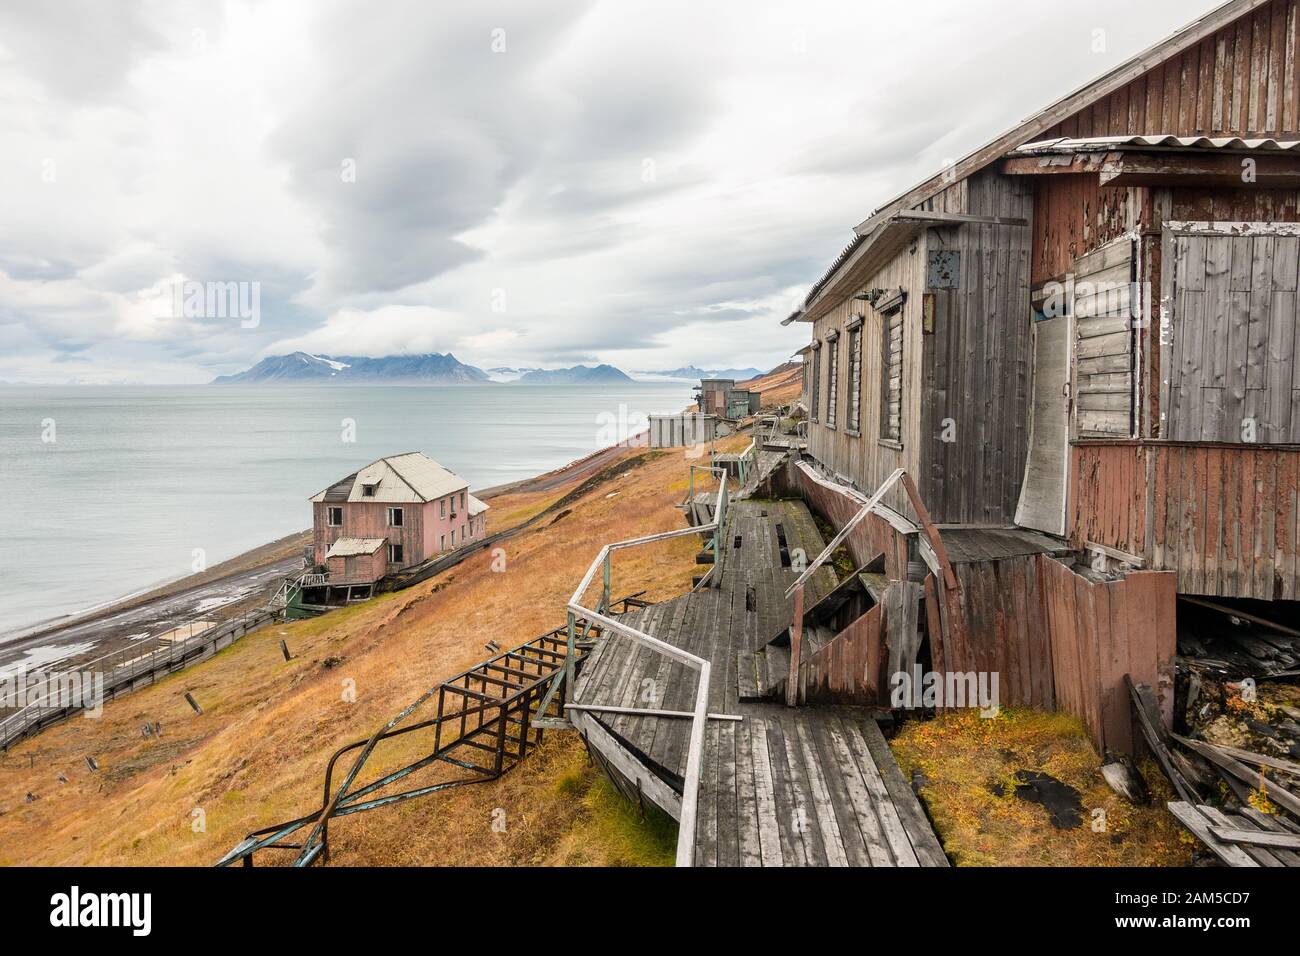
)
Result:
{"points": [[796, 643]]}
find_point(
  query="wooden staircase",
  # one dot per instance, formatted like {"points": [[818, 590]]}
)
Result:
{"points": [[484, 725]]}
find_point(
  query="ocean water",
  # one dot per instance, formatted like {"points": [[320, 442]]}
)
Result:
{"points": [[135, 480]]}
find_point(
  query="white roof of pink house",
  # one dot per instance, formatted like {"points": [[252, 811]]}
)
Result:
{"points": [[354, 547], [397, 478]]}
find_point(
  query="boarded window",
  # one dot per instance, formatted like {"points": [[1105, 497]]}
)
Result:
{"points": [[855, 379], [891, 375], [1103, 301], [816, 383], [832, 381], [1229, 349]]}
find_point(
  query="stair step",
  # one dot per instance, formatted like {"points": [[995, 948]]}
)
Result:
{"points": [[747, 676]]}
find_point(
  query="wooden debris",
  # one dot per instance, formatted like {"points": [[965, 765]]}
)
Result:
{"points": [[1191, 817], [1276, 792], [1147, 713]]}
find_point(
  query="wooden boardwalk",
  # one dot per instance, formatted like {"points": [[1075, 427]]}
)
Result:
{"points": [[804, 786]]}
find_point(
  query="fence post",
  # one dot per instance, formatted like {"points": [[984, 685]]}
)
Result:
{"points": [[604, 595]]}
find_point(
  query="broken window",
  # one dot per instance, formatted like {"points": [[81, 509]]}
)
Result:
{"points": [[395, 517], [334, 517], [367, 491], [395, 554]]}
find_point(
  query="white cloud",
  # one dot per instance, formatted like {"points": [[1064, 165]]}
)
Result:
{"points": [[647, 182]]}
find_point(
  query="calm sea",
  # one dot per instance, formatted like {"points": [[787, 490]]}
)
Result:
{"points": [[136, 479]]}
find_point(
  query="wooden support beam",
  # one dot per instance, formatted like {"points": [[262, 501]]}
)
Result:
{"points": [[1266, 170], [958, 218], [931, 532]]}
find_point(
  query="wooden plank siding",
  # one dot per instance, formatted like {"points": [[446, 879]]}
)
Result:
{"points": [[850, 668], [862, 456], [977, 364], [995, 624], [1099, 632], [1223, 517], [1243, 80]]}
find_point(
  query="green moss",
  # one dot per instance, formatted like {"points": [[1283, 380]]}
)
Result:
{"points": [[631, 839]]}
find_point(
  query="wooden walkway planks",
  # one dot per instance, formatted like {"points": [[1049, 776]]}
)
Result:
{"points": [[809, 786]]}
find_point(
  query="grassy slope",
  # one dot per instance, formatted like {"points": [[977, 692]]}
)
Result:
{"points": [[257, 754]]}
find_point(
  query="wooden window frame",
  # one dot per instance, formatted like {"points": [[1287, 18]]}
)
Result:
{"points": [[400, 515], [853, 410], [832, 379], [396, 554], [887, 308], [814, 395], [329, 516]]}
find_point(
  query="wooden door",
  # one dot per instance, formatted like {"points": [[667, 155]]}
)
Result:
{"points": [[1042, 495]]}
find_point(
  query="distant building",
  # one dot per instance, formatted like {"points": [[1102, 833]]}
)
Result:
{"points": [[394, 513]]}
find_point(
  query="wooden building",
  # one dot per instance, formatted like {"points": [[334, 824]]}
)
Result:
{"points": [[392, 514], [1086, 328]]}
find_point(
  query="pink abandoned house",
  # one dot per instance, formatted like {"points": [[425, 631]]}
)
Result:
{"points": [[393, 514]]}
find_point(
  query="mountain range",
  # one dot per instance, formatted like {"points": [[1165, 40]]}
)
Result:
{"points": [[304, 368], [691, 373]]}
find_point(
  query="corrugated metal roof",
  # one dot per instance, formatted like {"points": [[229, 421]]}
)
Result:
{"points": [[354, 547], [476, 507], [398, 478], [1106, 143]]}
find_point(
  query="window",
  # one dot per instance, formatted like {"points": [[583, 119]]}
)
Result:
{"points": [[334, 517], [442, 542], [815, 396], [453, 537], [367, 491], [833, 378], [395, 554], [395, 517], [462, 501], [855, 380], [891, 374]]}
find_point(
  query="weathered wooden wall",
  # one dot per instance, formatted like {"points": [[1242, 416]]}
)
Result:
{"points": [[995, 624], [1242, 81], [1073, 216], [848, 669], [978, 362], [861, 456], [1100, 631], [1223, 517]]}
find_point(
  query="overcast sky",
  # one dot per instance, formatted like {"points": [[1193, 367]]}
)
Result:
{"points": [[537, 183]]}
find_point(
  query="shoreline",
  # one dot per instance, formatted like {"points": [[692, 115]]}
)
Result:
{"points": [[266, 556]]}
